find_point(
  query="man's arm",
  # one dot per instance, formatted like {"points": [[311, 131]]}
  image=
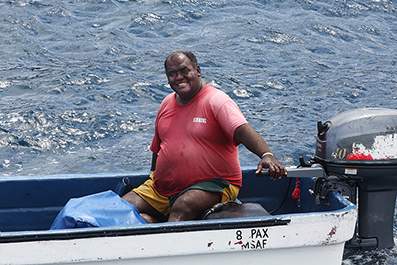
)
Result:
{"points": [[247, 135], [154, 160]]}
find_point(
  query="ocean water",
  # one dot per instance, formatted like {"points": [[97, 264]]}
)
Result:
{"points": [[81, 80]]}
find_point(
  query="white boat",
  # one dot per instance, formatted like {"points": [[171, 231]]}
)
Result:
{"points": [[301, 231]]}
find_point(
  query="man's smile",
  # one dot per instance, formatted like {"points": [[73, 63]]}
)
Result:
{"points": [[182, 84]]}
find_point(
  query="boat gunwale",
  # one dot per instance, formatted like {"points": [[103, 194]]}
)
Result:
{"points": [[163, 228], [73, 176]]}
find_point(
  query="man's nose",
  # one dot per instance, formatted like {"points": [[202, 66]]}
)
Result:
{"points": [[179, 75]]}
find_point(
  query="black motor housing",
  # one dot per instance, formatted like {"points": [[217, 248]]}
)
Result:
{"points": [[361, 145]]}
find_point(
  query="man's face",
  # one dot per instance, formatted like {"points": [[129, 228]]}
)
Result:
{"points": [[183, 77]]}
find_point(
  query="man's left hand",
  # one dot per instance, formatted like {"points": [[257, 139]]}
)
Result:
{"points": [[276, 170]]}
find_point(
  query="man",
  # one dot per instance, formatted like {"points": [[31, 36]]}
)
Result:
{"points": [[195, 156]]}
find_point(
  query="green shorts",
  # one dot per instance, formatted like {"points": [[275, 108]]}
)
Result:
{"points": [[163, 204]]}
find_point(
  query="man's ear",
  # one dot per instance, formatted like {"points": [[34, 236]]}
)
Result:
{"points": [[199, 70]]}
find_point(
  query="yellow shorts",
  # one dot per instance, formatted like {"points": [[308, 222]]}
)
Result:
{"points": [[163, 204]]}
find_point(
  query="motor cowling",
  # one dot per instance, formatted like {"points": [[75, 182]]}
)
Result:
{"points": [[361, 145], [359, 137]]}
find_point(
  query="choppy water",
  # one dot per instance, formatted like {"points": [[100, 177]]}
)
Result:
{"points": [[81, 80]]}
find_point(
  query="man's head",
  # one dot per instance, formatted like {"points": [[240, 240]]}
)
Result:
{"points": [[189, 55], [184, 75]]}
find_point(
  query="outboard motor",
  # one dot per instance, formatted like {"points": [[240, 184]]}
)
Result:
{"points": [[359, 147]]}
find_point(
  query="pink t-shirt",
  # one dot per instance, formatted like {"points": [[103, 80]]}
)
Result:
{"points": [[195, 143]]}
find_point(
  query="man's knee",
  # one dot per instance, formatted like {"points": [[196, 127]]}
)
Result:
{"points": [[180, 213], [191, 204], [134, 199]]}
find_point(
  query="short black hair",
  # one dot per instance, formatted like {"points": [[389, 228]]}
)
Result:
{"points": [[188, 54]]}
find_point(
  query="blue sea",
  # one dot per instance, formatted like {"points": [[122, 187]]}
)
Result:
{"points": [[81, 80]]}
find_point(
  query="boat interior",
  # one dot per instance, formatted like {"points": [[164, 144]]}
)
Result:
{"points": [[31, 203]]}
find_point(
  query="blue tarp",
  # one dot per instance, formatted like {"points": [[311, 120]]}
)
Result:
{"points": [[97, 210]]}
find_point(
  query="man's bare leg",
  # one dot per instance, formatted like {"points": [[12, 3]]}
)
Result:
{"points": [[148, 213], [191, 204]]}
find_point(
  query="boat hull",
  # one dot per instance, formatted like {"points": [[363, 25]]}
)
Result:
{"points": [[301, 237]]}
